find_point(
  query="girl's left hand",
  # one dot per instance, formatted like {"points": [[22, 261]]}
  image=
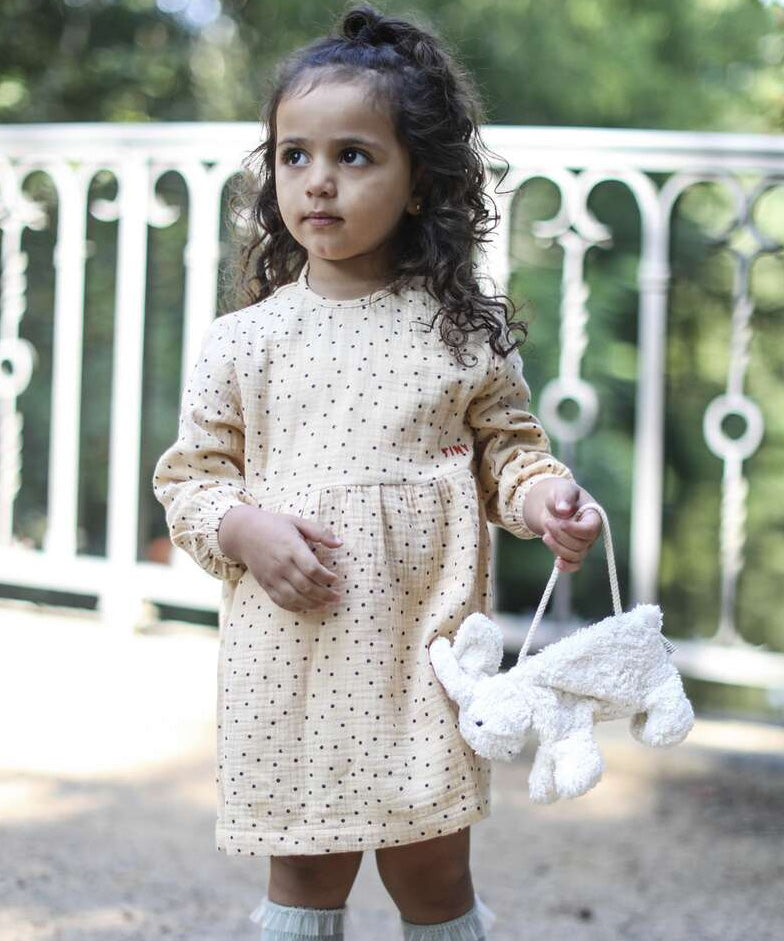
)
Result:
{"points": [[567, 538]]}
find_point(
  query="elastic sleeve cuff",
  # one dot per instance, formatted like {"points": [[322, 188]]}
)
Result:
{"points": [[211, 520]]}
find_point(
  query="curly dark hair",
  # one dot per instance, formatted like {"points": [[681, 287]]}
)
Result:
{"points": [[436, 111]]}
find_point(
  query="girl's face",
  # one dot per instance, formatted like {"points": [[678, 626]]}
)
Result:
{"points": [[337, 154]]}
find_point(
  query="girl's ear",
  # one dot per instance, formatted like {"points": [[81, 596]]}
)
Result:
{"points": [[417, 190], [416, 176]]}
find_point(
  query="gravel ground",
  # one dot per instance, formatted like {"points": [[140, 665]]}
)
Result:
{"points": [[107, 811]]}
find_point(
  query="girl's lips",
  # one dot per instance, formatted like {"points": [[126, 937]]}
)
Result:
{"points": [[322, 220]]}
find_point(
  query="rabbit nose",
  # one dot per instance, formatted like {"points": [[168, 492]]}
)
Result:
{"points": [[479, 722]]}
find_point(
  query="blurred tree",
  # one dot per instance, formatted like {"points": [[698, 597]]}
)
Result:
{"points": [[705, 65]]}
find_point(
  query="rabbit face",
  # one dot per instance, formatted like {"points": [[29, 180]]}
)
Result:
{"points": [[497, 720]]}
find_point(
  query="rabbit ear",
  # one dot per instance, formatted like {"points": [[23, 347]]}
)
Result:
{"points": [[476, 652], [458, 684], [479, 646]]}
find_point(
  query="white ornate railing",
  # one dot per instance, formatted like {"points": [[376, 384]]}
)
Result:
{"points": [[576, 160]]}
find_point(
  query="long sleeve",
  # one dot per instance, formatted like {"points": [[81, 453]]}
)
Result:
{"points": [[201, 475], [512, 449]]}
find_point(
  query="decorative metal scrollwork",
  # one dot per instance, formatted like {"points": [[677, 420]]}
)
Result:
{"points": [[734, 450], [17, 355]]}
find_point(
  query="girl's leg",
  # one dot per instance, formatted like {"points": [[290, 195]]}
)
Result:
{"points": [[430, 882], [320, 881], [306, 897]]}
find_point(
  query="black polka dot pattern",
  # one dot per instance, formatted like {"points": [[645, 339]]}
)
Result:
{"points": [[333, 731]]}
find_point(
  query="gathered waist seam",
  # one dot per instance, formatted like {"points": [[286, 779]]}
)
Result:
{"points": [[460, 471]]}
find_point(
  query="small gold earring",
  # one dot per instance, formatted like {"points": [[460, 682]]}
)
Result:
{"points": [[418, 207]]}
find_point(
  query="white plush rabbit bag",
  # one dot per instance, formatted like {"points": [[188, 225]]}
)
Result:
{"points": [[618, 667]]}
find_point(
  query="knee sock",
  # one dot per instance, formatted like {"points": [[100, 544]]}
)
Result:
{"points": [[469, 927], [294, 923]]}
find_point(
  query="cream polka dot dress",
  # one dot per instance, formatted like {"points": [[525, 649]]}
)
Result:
{"points": [[333, 732]]}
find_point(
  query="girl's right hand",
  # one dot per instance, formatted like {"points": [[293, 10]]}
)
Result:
{"points": [[274, 547]]}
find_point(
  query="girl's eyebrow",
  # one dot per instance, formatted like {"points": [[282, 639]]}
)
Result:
{"points": [[362, 141]]}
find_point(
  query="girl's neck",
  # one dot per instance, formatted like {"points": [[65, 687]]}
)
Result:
{"points": [[346, 280]]}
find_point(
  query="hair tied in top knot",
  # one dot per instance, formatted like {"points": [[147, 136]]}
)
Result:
{"points": [[366, 26]]}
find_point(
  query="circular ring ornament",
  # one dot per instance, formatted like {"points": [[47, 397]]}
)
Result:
{"points": [[19, 353], [720, 443], [560, 390]]}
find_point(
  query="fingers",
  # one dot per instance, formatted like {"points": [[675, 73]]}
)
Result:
{"points": [[300, 594], [584, 530], [564, 566], [297, 581], [572, 535], [306, 560], [312, 581], [312, 530], [565, 540], [570, 557], [570, 539]]}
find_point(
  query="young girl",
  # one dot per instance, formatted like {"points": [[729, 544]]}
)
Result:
{"points": [[337, 462]]}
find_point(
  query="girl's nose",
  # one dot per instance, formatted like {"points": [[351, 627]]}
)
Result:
{"points": [[320, 181]]}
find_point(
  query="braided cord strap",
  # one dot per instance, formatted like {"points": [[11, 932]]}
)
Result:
{"points": [[611, 571]]}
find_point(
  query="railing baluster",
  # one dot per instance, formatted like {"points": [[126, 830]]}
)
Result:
{"points": [[69, 262], [120, 599]]}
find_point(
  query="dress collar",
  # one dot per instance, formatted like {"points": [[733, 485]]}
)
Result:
{"points": [[319, 299]]}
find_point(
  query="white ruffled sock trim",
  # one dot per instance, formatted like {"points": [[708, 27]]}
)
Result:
{"points": [[475, 925], [300, 921]]}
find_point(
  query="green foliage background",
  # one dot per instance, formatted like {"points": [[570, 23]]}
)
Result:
{"points": [[705, 65], [710, 65]]}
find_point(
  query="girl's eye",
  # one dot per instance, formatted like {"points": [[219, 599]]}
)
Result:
{"points": [[349, 150], [289, 152], [353, 150]]}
